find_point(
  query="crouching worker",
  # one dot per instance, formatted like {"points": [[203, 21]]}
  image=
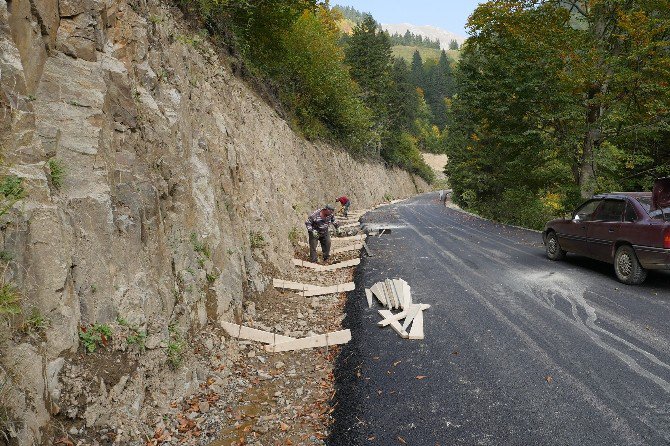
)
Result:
{"points": [[345, 202], [317, 227]]}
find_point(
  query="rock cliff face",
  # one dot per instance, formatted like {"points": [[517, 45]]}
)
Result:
{"points": [[180, 188]]}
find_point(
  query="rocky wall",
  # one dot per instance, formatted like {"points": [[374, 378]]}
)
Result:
{"points": [[180, 188]]}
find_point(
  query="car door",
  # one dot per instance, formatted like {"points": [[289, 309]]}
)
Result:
{"points": [[572, 233], [603, 231]]}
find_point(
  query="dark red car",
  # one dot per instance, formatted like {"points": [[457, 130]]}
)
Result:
{"points": [[629, 229]]}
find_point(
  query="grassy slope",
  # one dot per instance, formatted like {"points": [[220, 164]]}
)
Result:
{"points": [[406, 53]]}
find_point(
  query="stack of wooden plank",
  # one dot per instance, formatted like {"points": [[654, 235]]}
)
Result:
{"points": [[395, 294], [307, 290]]}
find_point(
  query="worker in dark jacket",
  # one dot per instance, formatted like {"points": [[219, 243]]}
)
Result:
{"points": [[345, 202], [317, 227]]}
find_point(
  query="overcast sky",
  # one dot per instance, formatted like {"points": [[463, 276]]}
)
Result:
{"points": [[449, 15]]}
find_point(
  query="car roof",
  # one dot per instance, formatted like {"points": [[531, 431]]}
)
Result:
{"points": [[623, 195]]}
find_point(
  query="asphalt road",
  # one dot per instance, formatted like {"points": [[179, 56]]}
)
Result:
{"points": [[519, 350]]}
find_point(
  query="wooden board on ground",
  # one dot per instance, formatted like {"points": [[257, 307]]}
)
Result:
{"points": [[252, 334], [417, 327], [285, 284], [402, 315], [347, 248], [395, 325], [358, 238], [342, 288], [323, 340], [349, 225], [331, 267], [340, 265], [368, 296]]}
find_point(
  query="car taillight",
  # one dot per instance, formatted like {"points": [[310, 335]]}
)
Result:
{"points": [[666, 239]]}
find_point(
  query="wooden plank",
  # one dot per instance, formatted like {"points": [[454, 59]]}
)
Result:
{"points": [[347, 248], [349, 225], [305, 264], [402, 315], [397, 287], [359, 237], [368, 295], [252, 334], [395, 325], [285, 284], [323, 340], [391, 292], [411, 314], [345, 264], [417, 327], [394, 317], [341, 288], [407, 291], [377, 289]]}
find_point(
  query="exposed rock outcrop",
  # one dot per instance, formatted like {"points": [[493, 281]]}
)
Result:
{"points": [[173, 168]]}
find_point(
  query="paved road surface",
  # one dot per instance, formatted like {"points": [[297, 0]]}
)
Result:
{"points": [[519, 350]]}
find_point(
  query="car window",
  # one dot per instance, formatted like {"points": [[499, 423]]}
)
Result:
{"points": [[610, 210], [646, 204], [631, 214], [585, 211]]}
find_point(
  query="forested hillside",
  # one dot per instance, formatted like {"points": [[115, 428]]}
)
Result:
{"points": [[557, 100], [340, 87]]}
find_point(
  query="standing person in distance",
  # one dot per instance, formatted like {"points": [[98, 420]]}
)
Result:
{"points": [[317, 226], [345, 202]]}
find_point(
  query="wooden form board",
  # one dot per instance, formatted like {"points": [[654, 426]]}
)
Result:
{"points": [[350, 286], [368, 296], [349, 225], [403, 314], [332, 267], [395, 325], [358, 238], [285, 284], [252, 334], [417, 327], [323, 340], [355, 247]]}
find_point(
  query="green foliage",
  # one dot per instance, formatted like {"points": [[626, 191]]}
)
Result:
{"points": [[557, 103], [199, 246], [9, 300], [211, 277], [56, 172], [417, 40], [36, 322], [388, 197], [256, 240], [95, 336], [294, 236], [317, 85], [11, 191], [406, 52], [175, 347], [137, 337]]}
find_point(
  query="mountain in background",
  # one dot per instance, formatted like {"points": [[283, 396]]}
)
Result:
{"points": [[432, 32]]}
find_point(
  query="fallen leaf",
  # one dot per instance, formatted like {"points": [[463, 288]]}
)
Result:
{"points": [[549, 379], [283, 427], [421, 377], [372, 438], [402, 440], [396, 363], [454, 352]]}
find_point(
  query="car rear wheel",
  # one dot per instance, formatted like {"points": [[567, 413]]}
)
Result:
{"points": [[553, 248], [627, 267]]}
